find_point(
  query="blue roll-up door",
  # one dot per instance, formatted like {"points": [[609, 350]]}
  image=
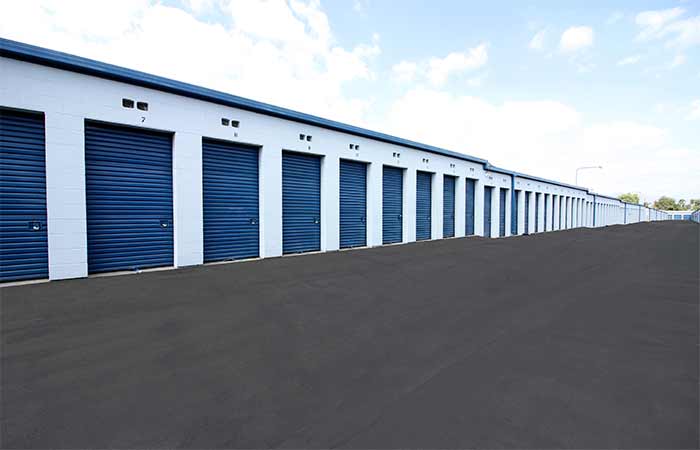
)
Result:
{"points": [[423, 205], [514, 219], [24, 250], [538, 197], [353, 204], [561, 208], [488, 192], [471, 195], [527, 212], [230, 194], [553, 211], [546, 210], [129, 195], [301, 203], [448, 206], [566, 214], [502, 213], [392, 205]]}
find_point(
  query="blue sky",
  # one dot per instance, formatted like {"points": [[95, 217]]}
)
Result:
{"points": [[540, 87]]}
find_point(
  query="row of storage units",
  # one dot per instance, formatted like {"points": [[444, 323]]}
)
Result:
{"points": [[695, 216], [681, 215], [89, 188]]}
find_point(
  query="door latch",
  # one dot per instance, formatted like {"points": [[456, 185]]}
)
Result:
{"points": [[317, 220], [164, 223], [253, 221], [35, 225]]}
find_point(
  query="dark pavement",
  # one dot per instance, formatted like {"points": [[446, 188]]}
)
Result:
{"points": [[580, 338]]}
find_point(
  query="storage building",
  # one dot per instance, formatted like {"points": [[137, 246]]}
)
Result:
{"points": [[107, 169]]}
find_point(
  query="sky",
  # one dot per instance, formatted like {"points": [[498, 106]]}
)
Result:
{"points": [[540, 87]]}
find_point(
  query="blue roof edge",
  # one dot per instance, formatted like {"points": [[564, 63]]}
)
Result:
{"points": [[53, 58]]}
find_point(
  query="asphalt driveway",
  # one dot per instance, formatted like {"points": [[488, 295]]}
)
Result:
{"points": [[580, 338]]}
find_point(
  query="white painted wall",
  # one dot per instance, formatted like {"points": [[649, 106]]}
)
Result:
{"points": [[67, 99]]}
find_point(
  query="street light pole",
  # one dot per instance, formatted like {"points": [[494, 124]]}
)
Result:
{"points": [[584, 168]]}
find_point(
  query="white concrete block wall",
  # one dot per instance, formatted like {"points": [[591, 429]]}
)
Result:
{"points": [[374, 204], [495, 211], [479, 208], [67, 99], [532, 213], [540, 213], [65, 192], [436, 206], [509, 211], [187, 199], [409, 206], [460, 206]]}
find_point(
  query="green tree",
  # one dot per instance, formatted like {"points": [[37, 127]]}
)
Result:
{"points": [[695, 204], [666, 203], [681, 205], [630, 197]]}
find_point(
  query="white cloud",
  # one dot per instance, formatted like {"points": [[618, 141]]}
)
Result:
{"points": [[634, 154], [440, 69], [549, 139], [694, 113], [477, 81], [520, 135], [634, 59], [686, 33], [405, 71], [437, 71], [278, 52], [286, 54], [537, 41], [667, 25], [653, 22], [576, 38]]}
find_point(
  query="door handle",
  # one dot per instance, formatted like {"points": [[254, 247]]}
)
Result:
{"points": [[164, 223], [35, 225], [317, 220], [253, 221]]}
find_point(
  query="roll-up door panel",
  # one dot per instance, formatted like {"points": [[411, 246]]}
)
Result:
{"points": [[23, 227], [546, 210], [561, 209], [301, 203], [470, 198], [353, 204], [527, 213], [392, 205], [488, 192], [448, 207], [502, 213], [129, 196], [231, 196], [423, 205]]}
